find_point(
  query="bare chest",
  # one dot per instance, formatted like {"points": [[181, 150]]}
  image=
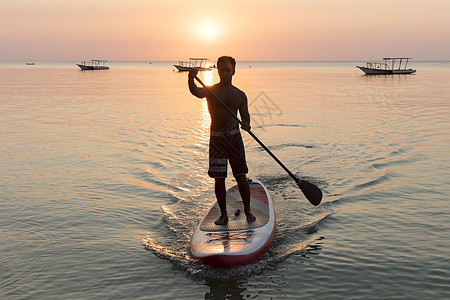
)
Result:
{"points": [[230, 98]]}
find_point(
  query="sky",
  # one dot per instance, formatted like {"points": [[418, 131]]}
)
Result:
{"points": [[170, 30]]}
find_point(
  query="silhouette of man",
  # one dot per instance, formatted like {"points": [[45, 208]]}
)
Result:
{"points": [[225, 138]]}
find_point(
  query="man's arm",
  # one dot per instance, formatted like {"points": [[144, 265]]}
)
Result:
{"points": [[195, 90], [245, 115]]}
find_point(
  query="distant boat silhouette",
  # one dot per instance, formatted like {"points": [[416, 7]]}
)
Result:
{"points": [[193, 63], [383, 68], [94, 64]]}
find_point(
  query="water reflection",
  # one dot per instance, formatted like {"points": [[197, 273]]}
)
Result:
{"points": [[205, 119], [208, 77], [233, 289], [386, 78]]}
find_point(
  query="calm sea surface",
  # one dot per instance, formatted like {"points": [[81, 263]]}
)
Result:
{"points": [[103, 180]]}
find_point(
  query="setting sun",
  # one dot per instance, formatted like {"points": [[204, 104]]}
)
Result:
{"points": [[208, 30]]}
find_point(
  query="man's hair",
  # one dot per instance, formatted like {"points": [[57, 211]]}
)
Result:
{"points": [[225, 59]]}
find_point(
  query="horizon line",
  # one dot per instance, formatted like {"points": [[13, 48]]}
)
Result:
{"points": [[356, 60]]}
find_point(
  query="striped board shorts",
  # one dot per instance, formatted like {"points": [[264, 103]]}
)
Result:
{"points": [[226, 146]]}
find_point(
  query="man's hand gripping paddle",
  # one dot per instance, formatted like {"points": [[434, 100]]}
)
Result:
{"points": [[311, 192]]}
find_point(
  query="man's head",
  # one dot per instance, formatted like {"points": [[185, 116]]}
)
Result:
{"points": [[226, 59], [226, 66]]}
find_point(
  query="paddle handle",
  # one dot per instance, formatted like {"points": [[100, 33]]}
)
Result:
{"points": [[249, 131]]}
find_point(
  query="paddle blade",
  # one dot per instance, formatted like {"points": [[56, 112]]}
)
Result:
{"points": [[311, 192]]}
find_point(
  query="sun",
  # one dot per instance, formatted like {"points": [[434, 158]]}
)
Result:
{"points": [[208, 30]]}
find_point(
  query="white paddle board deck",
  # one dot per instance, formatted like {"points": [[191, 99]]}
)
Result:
{"points": [[238, 242]]}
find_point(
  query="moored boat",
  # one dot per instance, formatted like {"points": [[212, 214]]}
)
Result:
{"points": [[389, 66], [95, 64], [193, 63]]}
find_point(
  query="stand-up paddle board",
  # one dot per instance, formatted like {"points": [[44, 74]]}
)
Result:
{"points": [[238, 242]]}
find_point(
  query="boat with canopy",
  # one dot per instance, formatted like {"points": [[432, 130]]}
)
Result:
{"points": [[193, 63], [389, 66], [95, 64]]}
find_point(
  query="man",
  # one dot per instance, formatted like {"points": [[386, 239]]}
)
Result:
{"points": [[225, 138]]}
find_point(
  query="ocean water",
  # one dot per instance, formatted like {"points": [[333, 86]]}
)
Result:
{"points": [[103, 180]]}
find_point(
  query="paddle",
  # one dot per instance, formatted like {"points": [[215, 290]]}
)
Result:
{"points": [[311, 192]]}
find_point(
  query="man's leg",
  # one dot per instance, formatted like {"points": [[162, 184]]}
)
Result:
{"points": [[221, 196], [244, 190]]}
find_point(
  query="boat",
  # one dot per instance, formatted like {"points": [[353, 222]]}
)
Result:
{"points": [[193, 63], [95, 64], [31, 63], [389, 66]]}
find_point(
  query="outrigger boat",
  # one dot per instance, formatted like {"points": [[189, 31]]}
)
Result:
{"points": [[94, 64], [391, 65], [193, 63]]}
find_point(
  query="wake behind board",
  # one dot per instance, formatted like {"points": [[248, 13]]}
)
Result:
{"points": [[238, 242]]}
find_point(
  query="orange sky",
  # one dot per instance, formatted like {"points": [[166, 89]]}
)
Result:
{"points": [[249, 30]]}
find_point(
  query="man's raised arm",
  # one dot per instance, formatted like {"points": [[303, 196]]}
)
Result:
{"points": [[193, 88]]}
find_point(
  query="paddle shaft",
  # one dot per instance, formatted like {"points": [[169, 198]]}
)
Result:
{"points": [[249, 132]]}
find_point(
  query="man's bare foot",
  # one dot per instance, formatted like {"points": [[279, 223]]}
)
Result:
{"points": [[222, 220], [250, 217]]}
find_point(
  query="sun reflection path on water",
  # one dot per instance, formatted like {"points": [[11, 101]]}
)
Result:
{"points": [[208, 79]]}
